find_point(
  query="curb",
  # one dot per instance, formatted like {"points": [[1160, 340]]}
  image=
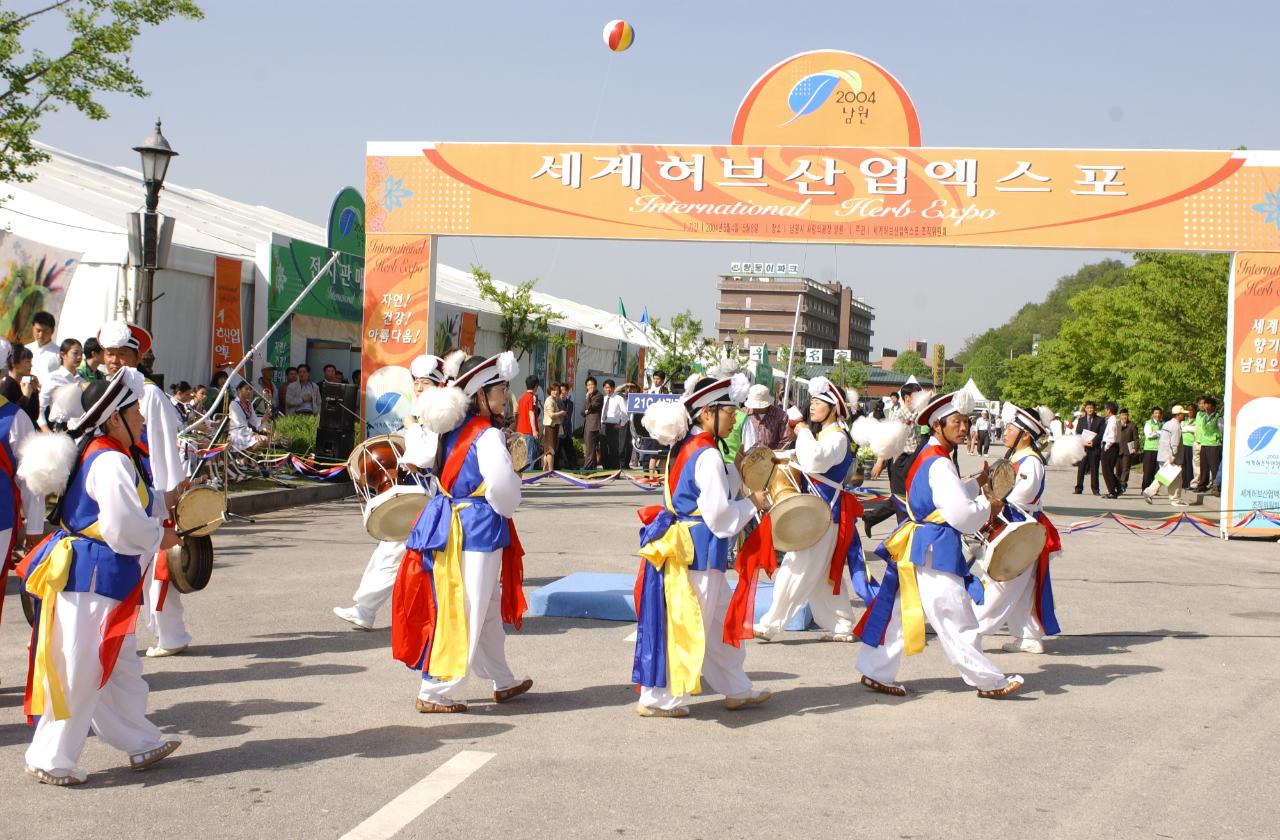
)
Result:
{"points": [[264, 501]]}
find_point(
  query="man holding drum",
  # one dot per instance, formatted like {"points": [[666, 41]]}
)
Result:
{"points": [[462, 575], [1025, 603], [419, 456], [817, 574], [927, 574], [681, 593]]}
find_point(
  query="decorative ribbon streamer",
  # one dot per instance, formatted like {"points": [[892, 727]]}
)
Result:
{"points": [[670, 555], [45, 582]]}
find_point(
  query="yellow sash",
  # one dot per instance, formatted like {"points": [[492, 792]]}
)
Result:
{"points": [[899, 547], [672, 554], [450, 645]]}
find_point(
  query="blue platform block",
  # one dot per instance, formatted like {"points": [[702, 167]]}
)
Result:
{"points": [[611, 597]]}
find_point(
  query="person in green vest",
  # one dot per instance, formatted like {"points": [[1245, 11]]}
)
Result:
{"points": [[1188, 456], [733, 443], [91, 365], [1150, 445], [1208, 431]]}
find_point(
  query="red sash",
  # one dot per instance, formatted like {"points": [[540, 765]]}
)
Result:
{"points": [[756, 555], [850, 510], [1052, 543]]}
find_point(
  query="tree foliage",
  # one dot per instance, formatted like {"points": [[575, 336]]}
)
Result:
{"points": [[909, 363], [849, 374], [93, 60], [525, 324], [1156, 338], [799, 369], [680, 345]]}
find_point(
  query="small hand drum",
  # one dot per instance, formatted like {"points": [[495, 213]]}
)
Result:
{"points": [[389, 516], [756, 467], [374, 465], [199, 512], [1004, 475], [1011, 548]]}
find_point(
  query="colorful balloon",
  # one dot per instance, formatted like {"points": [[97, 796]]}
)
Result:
{"points": [[619, 35]]}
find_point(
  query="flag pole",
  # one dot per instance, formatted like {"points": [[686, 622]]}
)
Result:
{"points": [[791, 356]]}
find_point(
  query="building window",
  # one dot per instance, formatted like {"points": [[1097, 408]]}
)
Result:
{"points": [[748, 301], [747, 321]]}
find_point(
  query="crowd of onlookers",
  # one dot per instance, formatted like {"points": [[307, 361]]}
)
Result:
{"points": [[31, 373]]}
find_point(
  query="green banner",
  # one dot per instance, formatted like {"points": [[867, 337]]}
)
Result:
{"points": [[338, 296]]}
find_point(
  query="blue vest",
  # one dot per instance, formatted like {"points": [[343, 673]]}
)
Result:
{"points": [[948, 555], [709, 551], [837, 474], [483, 528], [8, 503], [94, 566]]}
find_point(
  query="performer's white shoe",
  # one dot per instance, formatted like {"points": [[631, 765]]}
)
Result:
{"points": [[58, 778], [156, 651], [1023, 646], [146, 758], [754, 699], [352, 614], [652, 711]]}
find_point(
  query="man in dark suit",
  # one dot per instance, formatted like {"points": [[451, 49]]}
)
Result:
{"points": [[1090, 422], [1128, 449], [592, 408]]}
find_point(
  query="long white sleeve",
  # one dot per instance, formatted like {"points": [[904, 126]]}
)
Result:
{"points": [[162, 438], [959, 502], [420, 447], [123, 521], [716, 489], [32, 503], [821, 453], [501, 484], [1030, 474]]}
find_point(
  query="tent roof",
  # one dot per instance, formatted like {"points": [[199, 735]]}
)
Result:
{"points": [[972, 388]]}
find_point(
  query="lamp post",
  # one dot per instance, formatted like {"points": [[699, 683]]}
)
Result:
{"points": [[156, 154]]}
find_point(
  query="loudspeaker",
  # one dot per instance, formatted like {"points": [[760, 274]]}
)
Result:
{"points": [[338, 401], [335, 444]]}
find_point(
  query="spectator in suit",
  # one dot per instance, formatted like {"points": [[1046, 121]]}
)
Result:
{"points": [[1111, 450], [1090, 422], [592, 412], [568, 453], [1128, 449]]}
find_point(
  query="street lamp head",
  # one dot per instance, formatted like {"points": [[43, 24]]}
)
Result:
{"points": [[155, 152]]}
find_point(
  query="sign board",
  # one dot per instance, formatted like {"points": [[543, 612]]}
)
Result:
{"points": [[842, 355], [813, 355], [755, 353], [227, 335], [637, 403]]}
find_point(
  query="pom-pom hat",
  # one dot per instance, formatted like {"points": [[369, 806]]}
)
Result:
{"points": [[957, 402], [1036, 425], [429, 367], [495, 369], [121, 334], [821, 388], [101, 399], [730, 391]]}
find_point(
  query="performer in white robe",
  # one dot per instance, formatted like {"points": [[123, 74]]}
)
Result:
{"points": [[123, 344], [419, 458], [927, 573], [806, 575], [1024, 604], [87, 582]]}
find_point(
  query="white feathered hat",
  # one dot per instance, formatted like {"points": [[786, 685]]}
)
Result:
{"points": [[668, 421], [495, 369], [1036, 425], [116, 334], [957, 402], [429, 367], [821, 388]]}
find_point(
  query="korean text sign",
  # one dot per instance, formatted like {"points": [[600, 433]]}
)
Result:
{"points": [[228, 336]]}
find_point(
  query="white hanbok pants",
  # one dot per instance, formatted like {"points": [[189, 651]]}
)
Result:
{"points": [[117, 711], [379, 579], [167, 625], [803, 576], [949, 611], [723, 666], [486, 640], [1009, 602]]}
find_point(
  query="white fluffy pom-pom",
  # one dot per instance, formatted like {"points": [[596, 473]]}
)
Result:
{"points": [[666, 422], [115, 334], [739, 385], [963, 402], [818, 386], [508, 367], [453, 363], [851, 398], [45, 461], [65, 403], [692, 381], [918, 400], [890, 438], [1008, 412], [1046, 415], [442, 410], [1067, 450], [862, 430]]}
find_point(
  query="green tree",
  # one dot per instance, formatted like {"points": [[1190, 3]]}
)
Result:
{"points": [[525, 324], [799, 370], [909, 363], [849, 374], [94, 59], [680, 345], [954, 380]]}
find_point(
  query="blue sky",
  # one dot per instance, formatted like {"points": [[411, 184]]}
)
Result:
{"points": [[272, 103]]}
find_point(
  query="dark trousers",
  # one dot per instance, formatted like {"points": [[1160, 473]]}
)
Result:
{"points": [[1089, 463], [1123, 471], [611, 445], [1110, 457], [591, 445], [984, 442], [1149, 467], [1186, 461], [566, 456], [1210, 459]]}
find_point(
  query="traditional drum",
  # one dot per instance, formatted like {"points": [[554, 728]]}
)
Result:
{"points": [[374, 465], [190, 563], [199, 512], [518, 449], [1003, 476], [799, 518], [390, 515], [1010, 547]]}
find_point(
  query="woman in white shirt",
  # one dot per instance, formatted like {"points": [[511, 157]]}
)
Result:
{"points": [[246, 428], [70, 354]]}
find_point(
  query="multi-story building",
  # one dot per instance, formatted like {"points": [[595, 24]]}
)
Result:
{"points": [[757, 305]]}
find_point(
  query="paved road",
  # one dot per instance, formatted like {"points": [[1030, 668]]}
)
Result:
{"points": [[1155, 716]]}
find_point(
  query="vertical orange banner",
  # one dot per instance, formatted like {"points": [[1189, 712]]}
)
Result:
{"points": [[1251, 486], [397, 298], [467, 332], [227, 334]]}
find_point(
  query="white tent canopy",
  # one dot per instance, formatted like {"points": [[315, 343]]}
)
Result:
{"points": [[971, 388]]}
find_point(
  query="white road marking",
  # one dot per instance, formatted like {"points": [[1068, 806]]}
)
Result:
{"points": [[408, 806], [631, 637]]}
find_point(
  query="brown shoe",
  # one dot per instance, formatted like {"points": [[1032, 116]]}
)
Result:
{"points": [[891, 690], [143, 760], [428, 708], [1015, 683], [650, 711], [506, 694]]}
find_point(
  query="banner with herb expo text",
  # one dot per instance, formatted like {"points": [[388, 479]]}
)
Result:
{"points": [[1251, 467], [397, 296], [1058, 198]]}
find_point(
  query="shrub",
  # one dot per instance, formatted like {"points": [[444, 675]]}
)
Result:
{"points": [[299, 432]]}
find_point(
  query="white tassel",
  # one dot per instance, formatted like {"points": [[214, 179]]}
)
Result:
{"points": [[508, 367], [862, 430], [917, 401], [453, 363], [45, 461], [890, 438], [738, 387], [442, 410], [1046, 415], [666, 422], [1008, 413], [1067, 450], [692, 381], [963, 402]]}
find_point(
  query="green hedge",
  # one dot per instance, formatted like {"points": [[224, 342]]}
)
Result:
{"points": [[300, 432]]}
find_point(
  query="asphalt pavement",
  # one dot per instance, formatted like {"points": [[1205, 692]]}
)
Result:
{"points": [[1155, 714]]}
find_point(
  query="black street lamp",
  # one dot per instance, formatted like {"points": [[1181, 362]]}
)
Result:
{"points": [[156, 154]]}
